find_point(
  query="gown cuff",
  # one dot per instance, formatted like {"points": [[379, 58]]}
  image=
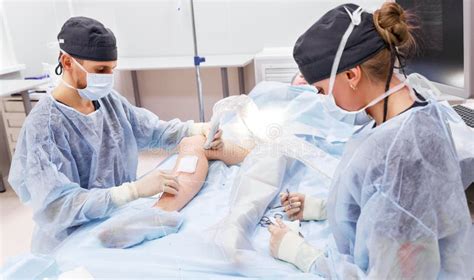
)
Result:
{"points": [[314, 208], [196, 129], [123, 194], [295, 250]]}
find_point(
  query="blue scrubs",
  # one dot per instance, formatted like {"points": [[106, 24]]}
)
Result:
{"points": [[66, 162]]}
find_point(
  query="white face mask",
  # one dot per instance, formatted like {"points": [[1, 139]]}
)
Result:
{"points": [[358, 117], [352, 118], [98, 85]]}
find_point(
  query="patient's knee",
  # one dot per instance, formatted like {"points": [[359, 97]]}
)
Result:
{"points": [[192, 144]]}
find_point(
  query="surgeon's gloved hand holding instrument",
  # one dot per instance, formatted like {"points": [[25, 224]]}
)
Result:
{"points": [[233, 104], [149, 185], [212, 132], [303, 207]]}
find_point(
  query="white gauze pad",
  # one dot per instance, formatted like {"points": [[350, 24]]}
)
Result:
{"points": [[187, 164]]}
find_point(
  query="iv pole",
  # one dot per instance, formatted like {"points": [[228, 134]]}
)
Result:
{"points": [[197, 63]]}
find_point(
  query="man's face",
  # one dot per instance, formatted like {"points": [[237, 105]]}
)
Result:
{"points": [[98, 67], [77, 73]]}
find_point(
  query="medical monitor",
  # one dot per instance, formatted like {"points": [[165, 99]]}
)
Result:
{"points": [[445, 51]]}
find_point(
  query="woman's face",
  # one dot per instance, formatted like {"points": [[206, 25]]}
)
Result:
{"points": [[346, 97]]}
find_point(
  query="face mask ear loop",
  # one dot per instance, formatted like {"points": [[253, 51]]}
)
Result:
{"points": [[412, 93], [355, 20], [59, 69], [401, 64], [75, 61]]}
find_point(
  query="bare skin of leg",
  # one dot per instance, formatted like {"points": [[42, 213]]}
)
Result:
{"points": [[231, 154], [191, 183]]}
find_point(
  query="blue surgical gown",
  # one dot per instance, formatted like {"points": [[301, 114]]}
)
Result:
{"points": [[66, 162], [397, 206]]}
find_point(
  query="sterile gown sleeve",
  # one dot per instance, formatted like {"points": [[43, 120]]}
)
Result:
{"points": [[151, 132], [38, 176], [397, 207]]}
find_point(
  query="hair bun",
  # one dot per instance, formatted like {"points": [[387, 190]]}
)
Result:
{"points": [[391, 21]]}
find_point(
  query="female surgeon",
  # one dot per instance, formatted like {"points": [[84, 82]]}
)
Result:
{"points": [[396, 207], [76, 158]]}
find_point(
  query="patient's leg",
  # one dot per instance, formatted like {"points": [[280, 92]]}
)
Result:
{"points": [[151, 223], [191, 183]]}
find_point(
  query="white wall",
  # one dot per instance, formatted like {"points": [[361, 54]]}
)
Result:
{"points": [[247, 26], [156, 28], [143, 28], [34, 24], [7, 56]]}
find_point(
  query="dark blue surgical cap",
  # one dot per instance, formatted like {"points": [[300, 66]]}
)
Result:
{"points": [[315, 50], [88, 39]]}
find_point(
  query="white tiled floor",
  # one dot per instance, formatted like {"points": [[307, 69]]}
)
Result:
{"points": [[16, 218]]}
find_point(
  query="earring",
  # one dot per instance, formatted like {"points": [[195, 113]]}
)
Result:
{"points": [[353, 87]]}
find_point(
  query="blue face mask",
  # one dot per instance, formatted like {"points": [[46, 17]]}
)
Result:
{"points": [[98, 85], [304, 88]]}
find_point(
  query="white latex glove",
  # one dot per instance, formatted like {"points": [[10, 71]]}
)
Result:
{"points": [[151, 184], [293, 205], [203, 129], [288, 246], [156, 182]]}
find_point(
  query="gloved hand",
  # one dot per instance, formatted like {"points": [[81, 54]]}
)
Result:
{"points": [[294, 205], [153, 183], [203, 129], [156, 182], [277, 231], [288, 246], [302, 207]]}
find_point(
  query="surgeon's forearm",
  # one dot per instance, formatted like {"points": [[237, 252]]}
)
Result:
{"points": [[75, 208], [166, 134], [295, 250], [399, 259], [412, 260]]}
